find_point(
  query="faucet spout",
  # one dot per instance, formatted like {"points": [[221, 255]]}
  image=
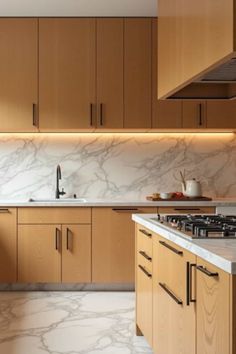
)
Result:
{"points": [[58, 177]]}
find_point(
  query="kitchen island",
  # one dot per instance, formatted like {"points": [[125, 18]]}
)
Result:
{"points": [[185, 290]]}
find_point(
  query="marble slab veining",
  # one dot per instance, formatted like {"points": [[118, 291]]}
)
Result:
{"points": [[115, 166], [220, 252], [69, 323]]}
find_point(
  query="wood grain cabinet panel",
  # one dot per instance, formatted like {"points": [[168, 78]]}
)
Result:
{"points": [[173, 318], [213, 310], [39, 253], [8, 245], [137, 72], [221, 114], [194, 114], [113, 244], [18, 75], [166, 114], [76, 253], [110, 73], [67, 74]]}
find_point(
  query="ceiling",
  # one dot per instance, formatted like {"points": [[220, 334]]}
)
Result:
{"points": [[78, 8]]}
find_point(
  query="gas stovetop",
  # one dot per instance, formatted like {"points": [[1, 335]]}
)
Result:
{"points": [[201, 226]]}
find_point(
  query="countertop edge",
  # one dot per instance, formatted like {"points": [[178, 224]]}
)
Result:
{"points": [[173, 236]]}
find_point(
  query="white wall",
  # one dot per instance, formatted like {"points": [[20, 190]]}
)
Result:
{"points": [[78, 7]]}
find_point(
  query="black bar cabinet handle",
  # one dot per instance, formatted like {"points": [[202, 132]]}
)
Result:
{"points": [[67, 238], [187, 209], [200, 114], [145, 255], [163, 243], [145, 233], [145, 271], [125, 209], [4, 210], [91, 114], [101, 114], [189, 283], [207, 272], [35, 115], [164, 287], [57, 239]]}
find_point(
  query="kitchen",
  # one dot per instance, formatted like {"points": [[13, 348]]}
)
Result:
{"points": [[83, 143]]}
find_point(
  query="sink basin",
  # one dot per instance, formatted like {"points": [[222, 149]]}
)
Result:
{"points": [[63, 200]]}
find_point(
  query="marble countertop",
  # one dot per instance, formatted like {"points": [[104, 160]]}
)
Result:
{"points": [[229, 202], [220, 252]]}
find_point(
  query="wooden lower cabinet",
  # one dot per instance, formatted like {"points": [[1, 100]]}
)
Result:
{"points": [[39, 253], [213, 309], [144, 283], [173, 313], [8, 245], [113, 244], [76, 253]]}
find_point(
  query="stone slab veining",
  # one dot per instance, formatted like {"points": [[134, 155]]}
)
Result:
{"points": [[223, 202], [220, 252]]}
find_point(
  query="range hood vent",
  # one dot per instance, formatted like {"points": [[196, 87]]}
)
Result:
{"points": [[225, 73]]}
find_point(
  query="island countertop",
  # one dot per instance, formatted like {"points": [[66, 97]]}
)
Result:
{"points": [[219, 252]]}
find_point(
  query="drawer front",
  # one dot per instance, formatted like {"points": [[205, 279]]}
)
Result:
{"points": [[186, 210], [54, 215], [144, 240]]}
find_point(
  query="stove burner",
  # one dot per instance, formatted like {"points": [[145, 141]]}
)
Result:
{"points": [[203, 226]]}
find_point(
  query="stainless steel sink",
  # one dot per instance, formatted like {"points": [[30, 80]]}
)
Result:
{"points": [[63, 200]]}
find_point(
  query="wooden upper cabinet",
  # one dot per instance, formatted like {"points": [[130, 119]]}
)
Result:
{"points": [[221, 114], [110, 69], [18, 75], [192, 37], [165, 114], [194, 114], [66, 74], [137, 72]]}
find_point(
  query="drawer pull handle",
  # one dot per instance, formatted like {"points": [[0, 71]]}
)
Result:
{"points": [[180, 253], [164, 287], [145, 271], [35, 115], [68, 234], [145, 233], [207, 272], [101, 115], [144, 254], [187, 209], [4, 210], [91, 115], [125, 210], [189, 283], [57, 239]]}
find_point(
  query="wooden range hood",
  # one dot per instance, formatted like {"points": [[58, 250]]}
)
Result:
{"points": [[197, 49]]}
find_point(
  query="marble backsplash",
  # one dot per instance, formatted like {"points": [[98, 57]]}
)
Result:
{"points": [[114, 166]]}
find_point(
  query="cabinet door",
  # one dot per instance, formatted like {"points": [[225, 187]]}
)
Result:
{"points": [[76, 253], [194, 114], [137, 74], [8, 245], [173, 313], [110, 73], [166, 114], [66, 74], [143, 284], [39, 253], [221, 114], [213, 309], [18, 74], [113, 244]]}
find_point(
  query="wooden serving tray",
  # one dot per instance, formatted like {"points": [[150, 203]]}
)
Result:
{"points": [[180, 199]]}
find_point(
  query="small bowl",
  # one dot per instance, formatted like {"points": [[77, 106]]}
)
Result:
{"points": [[166, 195]]}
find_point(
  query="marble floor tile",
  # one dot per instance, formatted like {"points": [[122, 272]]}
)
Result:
{"points": [[69, 323]]}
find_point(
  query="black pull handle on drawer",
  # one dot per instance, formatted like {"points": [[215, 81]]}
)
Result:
{"points": [[4, 210], [125, 209], [148, 234], [163, 243], [145, 255], [207, 272], [171, 294], [145, 271], [187, 209]]}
